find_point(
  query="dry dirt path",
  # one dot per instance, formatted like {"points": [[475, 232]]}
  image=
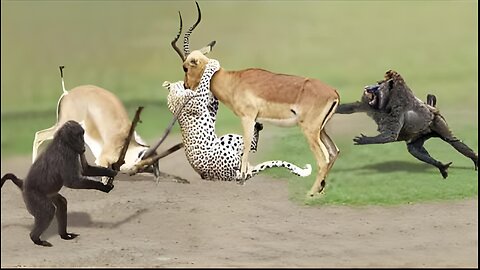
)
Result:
{"points": [[212, 224]]}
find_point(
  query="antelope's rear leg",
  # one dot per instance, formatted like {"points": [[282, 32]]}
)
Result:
{"points": [[331, 148], [61, 204], [321, 155]]}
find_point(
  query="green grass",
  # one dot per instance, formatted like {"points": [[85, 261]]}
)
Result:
{"points": [[124, 46], [380, 174]]}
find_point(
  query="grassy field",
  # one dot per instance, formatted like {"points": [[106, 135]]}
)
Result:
{"points": [[124, 46]]}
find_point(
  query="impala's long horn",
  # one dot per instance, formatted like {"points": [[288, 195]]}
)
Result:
{"points": [[174, 41], [186, 42]]}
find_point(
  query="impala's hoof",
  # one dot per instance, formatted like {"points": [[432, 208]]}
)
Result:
{"points": [[319, 190]]}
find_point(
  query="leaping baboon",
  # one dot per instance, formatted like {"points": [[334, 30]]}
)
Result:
{"points": [[401, 116], [58, 166]]}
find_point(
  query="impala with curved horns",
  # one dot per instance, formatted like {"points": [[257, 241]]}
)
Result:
{"points": [[259, 95]]}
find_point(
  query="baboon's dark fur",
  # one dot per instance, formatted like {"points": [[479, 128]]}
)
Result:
{"points": [[58, 166], [401, 116]]}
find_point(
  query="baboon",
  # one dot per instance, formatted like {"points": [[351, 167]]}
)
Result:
{"points": [[58, 166], [401, 116]]}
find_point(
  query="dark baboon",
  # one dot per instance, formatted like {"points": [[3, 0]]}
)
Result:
{"points": [[58, 166], [401, 116]]}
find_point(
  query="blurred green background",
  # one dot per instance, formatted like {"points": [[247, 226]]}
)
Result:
{"points": [[124, 46]]}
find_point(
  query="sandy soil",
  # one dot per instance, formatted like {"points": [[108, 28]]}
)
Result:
{"points": [[212, 224]]}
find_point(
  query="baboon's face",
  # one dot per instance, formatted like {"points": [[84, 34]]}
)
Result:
{"points": [[72, 133], [370, 95], [377, 96], [193, 67]]}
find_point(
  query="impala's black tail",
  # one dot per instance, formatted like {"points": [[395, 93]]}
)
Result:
{"points": [[15, 180]]}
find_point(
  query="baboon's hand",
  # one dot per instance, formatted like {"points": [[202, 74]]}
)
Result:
{"points": [[362, 139]]}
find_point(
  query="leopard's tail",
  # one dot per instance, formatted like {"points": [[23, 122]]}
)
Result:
{"points": [[303, 172]]}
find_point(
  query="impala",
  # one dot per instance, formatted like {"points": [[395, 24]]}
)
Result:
{"points": [[259, 95], [105, 121]]}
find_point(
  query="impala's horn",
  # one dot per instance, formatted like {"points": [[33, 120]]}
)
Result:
{"points": [[174, 41], [186, 42]]}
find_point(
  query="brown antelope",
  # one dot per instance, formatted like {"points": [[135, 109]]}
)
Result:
{"points": [[259, 95], [105, 121]]}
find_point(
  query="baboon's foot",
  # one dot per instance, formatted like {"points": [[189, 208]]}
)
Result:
{"points": [[68, 236], [41, 242], [444, 169], [475, 162]]}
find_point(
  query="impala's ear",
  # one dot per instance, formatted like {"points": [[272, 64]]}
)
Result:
{"points": [[205, 50]]}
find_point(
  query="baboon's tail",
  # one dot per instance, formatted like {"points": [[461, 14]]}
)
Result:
{"points": [[431, 100], [15, 180], [279, 163]]}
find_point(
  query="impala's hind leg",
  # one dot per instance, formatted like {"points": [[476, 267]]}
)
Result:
{"points": [[321, 145], [332, 149], [321, 155], [40, 137], [441, 128]]}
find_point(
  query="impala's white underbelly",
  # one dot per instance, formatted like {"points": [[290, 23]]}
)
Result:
{"points": [[286, 122]]}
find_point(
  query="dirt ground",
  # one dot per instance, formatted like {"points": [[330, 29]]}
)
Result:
{"points": [[218, 224]]}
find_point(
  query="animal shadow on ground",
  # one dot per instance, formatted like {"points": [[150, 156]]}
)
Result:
{"points": [[83, 219], [396, 166], [163, 177]]}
